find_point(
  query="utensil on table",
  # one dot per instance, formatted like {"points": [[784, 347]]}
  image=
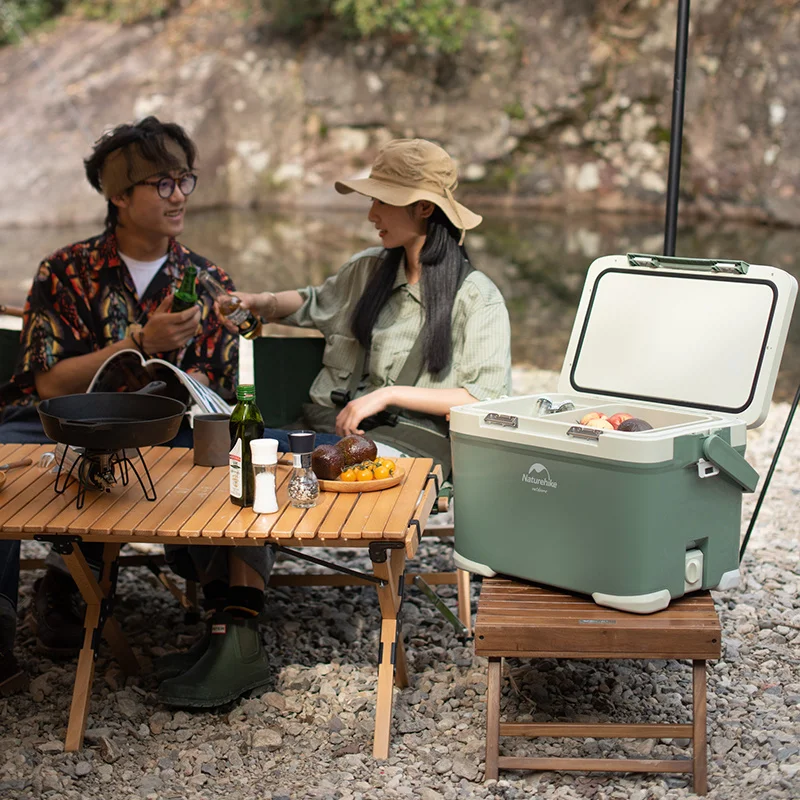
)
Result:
{"points": [[24, 462]]}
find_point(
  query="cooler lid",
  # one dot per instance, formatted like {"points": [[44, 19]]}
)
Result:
{"points": [[694, 333]]}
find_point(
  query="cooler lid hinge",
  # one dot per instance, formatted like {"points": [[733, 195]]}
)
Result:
{"points": [[734, 266]]}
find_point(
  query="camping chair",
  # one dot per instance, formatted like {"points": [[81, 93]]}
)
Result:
{"points": [[284, 368], [9, 344]]}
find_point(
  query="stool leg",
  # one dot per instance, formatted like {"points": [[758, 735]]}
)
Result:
{"points": [[493, 720], [699, 744], [464, 605]]}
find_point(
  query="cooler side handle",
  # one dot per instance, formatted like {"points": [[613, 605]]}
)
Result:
{"points": [[722, 455]]}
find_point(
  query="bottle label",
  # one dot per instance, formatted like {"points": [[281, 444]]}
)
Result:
{"points": [[237, 315], [235, 469]]}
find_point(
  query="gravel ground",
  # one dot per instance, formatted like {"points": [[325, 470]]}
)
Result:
{"points": [[310, 734]]}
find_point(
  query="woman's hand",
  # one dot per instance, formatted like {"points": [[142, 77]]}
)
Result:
{"points": [[246, 300], [349, 418]]}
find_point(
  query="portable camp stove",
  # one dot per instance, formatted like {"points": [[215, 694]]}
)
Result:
{"points": [[97, 470]]}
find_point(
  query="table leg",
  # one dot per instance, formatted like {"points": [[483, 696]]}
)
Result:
{"points": [[400, 664], [84, 676], [96, 596], [391, 651], [112, 631]]}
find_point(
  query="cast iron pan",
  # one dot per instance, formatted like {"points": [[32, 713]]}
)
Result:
{"points": [[111, 421]]}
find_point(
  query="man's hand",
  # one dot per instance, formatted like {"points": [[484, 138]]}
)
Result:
{"points": [[166, 331], [350, 417]]}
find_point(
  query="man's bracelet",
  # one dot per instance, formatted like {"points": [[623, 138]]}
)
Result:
{"points": [[139, 343]]}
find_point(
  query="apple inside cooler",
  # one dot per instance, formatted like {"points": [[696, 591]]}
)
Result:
{"points": [[633, 519]]}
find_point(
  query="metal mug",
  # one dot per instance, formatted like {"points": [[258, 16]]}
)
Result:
{"points": [[212, 439]]}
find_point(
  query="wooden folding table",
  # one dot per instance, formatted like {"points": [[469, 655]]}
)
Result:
{"points": [[192, 506]]}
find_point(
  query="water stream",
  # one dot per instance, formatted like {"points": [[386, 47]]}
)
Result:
{"points": [[538, 262]]}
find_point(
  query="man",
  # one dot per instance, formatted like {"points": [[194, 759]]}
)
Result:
{"points": [[93, 298]]}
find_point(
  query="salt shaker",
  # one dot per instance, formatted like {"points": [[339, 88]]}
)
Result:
{"points": [[264, 454], [303, 485]]}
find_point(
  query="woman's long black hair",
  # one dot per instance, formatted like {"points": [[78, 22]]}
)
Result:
{"points": [[441, 258], [149, 136]]}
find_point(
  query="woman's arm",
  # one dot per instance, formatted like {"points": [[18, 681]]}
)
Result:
{"points": [[271, 306], [413, 398]]}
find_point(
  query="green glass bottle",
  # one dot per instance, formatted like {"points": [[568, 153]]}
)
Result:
{"points": [[246, 424], [186, 296]]}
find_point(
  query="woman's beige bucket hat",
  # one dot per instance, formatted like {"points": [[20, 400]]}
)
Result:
{"points": [[407, 170]]}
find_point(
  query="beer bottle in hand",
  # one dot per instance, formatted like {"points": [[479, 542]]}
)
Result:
{"points": [[246, 424], [186, 296], [231, 307]]}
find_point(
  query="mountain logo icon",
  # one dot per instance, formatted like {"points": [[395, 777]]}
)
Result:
{"points": [[539, 469], [539, 477]]}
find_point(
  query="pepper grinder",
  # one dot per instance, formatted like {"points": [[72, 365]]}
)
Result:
{"points": [[265, 459], [303, 485]]}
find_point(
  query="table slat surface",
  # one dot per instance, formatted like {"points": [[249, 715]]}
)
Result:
{"points": [[192, 505]]}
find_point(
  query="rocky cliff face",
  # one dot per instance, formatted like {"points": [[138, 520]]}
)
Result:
{"points": [[560, 104]]}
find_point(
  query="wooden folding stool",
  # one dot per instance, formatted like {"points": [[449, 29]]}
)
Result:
{"points": [[523, 621]]}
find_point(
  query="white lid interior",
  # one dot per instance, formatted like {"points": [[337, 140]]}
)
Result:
{"points": [[681, 338]]}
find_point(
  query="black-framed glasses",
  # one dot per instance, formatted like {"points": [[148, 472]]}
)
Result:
{"points": [[166, 186]]}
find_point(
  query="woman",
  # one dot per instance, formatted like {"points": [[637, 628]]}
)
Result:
{"points": [[411, 329]]}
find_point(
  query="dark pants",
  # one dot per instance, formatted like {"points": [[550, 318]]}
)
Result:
{"points": [[9, 570]]}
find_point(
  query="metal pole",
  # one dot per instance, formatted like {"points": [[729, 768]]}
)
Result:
{"points": [[774, 461], [676, 129]]}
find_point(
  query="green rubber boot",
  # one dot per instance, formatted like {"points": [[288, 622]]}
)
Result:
{"points": [[233, 663], [174, 664]]}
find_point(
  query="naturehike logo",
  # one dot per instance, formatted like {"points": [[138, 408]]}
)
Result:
{"points": [[539, 476], [219, 627]]}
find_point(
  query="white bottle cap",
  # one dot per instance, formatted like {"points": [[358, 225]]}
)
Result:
{"points": [[264, 451]]}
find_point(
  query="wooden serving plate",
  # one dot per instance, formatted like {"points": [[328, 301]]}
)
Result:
{"points": [[362, 486]]}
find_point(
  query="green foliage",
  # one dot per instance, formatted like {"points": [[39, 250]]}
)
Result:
{"points": [[440, 24], [515, 110], [19, 17], [296, 17], [126, 11]]}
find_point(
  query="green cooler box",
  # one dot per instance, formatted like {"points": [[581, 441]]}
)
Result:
{"points": [[634, 519]]}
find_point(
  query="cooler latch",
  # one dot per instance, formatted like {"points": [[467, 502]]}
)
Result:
{"points": [[579, 432], [705, 469], [503, 420]]}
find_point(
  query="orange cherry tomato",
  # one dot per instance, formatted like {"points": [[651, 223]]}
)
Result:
{"points": [[348, 475], [364, 474], [382, 472], [387, 462]]}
